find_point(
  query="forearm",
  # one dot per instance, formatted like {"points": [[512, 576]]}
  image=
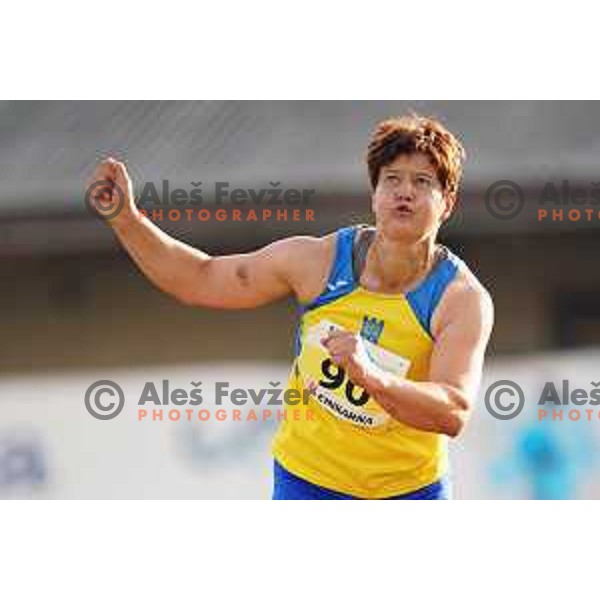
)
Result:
{"points": [[423, 405], [168, 263]]}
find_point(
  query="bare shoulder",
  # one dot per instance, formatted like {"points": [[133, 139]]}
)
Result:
{"points": [[306, 262], [467, 302]]}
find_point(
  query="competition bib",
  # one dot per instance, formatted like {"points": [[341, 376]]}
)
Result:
{"points": [[329, 384]]}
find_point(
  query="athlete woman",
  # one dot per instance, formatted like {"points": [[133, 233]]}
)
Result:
{"points": [[392, 331]]}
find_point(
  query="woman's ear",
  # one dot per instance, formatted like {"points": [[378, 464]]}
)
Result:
{"points": [[449, 201]]}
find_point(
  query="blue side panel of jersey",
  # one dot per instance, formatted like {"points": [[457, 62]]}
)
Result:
{"points": [[339, 283], [427, 296], [298, 334]]}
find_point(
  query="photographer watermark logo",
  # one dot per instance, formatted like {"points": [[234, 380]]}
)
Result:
{"points": [[100, 399], [504, 200], [504, 399]]}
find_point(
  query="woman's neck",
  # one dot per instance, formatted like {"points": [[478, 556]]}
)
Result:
{"points": [[394, 266]]}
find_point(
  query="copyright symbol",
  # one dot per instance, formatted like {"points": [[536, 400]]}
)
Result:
{"points": [[504, 408], [504, 200], [97, 206], [99, 408]]}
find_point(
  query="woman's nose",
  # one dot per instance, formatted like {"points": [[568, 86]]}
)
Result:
{"points": [[405, 189]]}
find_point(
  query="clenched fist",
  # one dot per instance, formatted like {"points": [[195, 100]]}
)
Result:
{"points": [[110, 192], [348, 351]]}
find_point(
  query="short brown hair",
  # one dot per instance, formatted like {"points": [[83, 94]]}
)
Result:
{"points": [[412, 133]]}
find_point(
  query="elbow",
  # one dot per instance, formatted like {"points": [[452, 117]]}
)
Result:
{"points": [[184, 298], [183, 295], [189, 287]]}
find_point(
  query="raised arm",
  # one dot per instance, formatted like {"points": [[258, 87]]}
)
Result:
{"points": [[192, 276]]}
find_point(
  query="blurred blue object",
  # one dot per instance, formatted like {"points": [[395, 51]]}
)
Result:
{"points": [[22, 462], [551, 458]]}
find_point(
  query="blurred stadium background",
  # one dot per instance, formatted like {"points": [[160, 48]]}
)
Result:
{"points": [[75, 309]]}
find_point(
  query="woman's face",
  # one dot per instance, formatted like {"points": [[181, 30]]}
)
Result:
{"points": [[409, 203]]}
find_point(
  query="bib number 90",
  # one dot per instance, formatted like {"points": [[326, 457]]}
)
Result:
{"points": [[334, 377]]}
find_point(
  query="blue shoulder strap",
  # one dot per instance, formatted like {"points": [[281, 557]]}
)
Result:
{"points": [[425, 298], [341, 277]]}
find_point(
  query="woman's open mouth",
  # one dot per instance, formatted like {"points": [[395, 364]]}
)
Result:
{"points": [[402, 210]]}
